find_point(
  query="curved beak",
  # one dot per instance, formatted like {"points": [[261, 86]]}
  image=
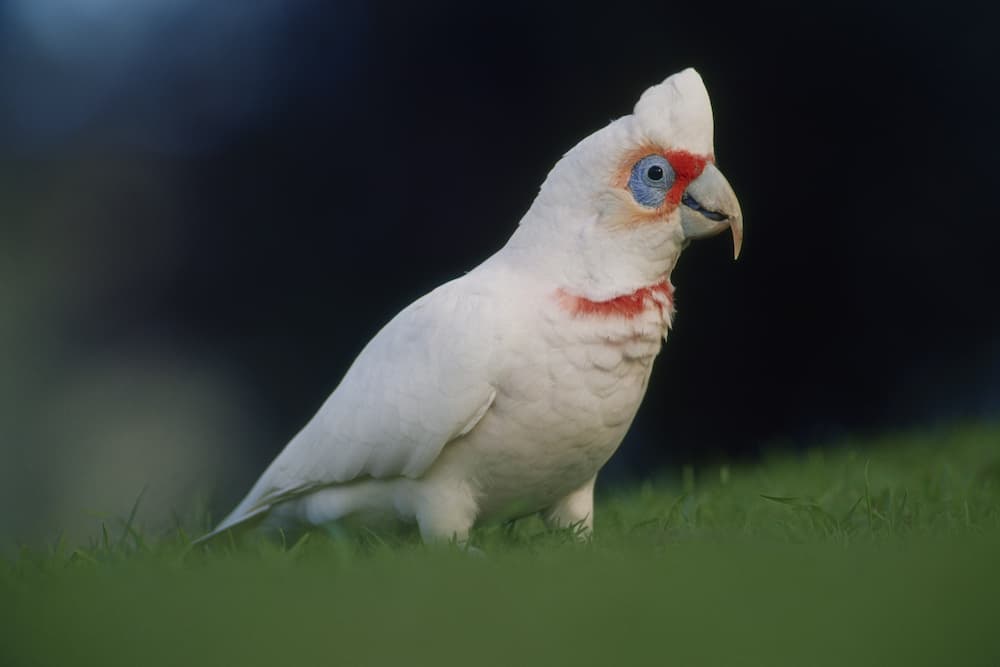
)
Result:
{"points": [[709, 205]]}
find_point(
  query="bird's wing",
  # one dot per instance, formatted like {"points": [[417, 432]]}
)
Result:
{"points": [[422, 382]]}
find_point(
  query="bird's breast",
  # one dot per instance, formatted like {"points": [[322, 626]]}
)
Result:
{"points": [[608, 356], [567, 395]]}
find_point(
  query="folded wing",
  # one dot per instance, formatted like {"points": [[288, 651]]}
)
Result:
{"points": [[422, 382]]}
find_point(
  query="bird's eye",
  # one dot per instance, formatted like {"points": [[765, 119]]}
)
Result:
{"points": [[650, 180]]}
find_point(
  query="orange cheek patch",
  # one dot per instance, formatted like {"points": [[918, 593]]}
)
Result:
{"points": [[620, 210]]}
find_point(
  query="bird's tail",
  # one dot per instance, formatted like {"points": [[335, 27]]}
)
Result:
{"points": [[267, 492], [263, 497], [238, 517]]}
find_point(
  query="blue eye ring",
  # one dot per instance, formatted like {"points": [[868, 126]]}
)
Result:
{"points": [[651, 178]]}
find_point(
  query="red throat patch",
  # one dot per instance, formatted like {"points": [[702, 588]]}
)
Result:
{"points": [[626, 306]]}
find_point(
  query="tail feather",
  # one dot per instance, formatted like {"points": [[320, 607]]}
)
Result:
{"points": [[234, 520], [256, 505]]}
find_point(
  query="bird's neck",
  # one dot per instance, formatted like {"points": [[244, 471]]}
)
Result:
{"points": [[597, 268]]}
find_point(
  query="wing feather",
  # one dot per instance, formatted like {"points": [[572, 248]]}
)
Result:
{"points": [[420, 383]]}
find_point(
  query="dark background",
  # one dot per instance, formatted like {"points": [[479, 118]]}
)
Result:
{"points": [[208, 209]]}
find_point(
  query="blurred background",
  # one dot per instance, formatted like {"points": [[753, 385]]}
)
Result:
{"points": [[206, 210]]}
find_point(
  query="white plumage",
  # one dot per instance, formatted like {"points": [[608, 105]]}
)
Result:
{"points": [[503, 392]]}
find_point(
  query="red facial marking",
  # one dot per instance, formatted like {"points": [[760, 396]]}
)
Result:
{"points": [[626, 306], [687, 167]]}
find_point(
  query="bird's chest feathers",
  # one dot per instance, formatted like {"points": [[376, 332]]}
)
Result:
{"points": [[568, 393], [602, 351]]}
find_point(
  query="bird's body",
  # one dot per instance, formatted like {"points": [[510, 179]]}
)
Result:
{"points": [[503, 392]]}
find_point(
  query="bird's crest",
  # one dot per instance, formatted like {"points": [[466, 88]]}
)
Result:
{"points": [[677, 113]]}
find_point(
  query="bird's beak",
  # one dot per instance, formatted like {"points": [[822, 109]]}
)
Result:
{"points": [[709, 205]]}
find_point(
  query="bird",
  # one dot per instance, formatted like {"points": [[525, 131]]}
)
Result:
{"points": [[502, 393]]}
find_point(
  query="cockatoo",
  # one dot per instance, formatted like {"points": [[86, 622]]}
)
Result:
{"points": [[502, 393]]}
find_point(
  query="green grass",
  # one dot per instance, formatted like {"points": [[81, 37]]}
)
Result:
{"points": [[868, 553]]}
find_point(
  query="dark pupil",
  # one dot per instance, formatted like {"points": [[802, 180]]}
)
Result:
{"points": [[655, 173]]}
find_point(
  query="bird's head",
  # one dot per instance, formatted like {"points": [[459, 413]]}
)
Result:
{"points": [[617, 209]]}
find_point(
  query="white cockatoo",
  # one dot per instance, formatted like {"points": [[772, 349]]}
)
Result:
{"points": [[503, 392]]}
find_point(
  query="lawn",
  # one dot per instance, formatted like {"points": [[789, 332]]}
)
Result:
{"points": [[860, 553]]}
